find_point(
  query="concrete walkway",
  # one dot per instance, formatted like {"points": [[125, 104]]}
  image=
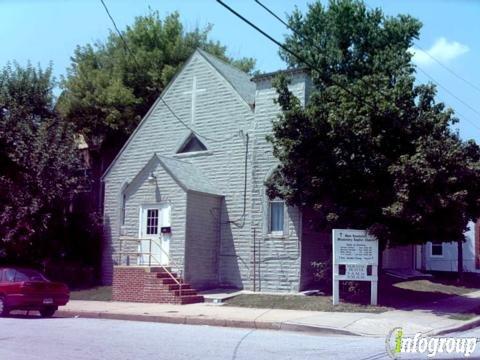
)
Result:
{"points": [[428, 321]]}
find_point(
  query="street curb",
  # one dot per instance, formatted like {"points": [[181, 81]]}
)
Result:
{"points": [[463, 327], [245, 324], [318, 329], [186, 320]]}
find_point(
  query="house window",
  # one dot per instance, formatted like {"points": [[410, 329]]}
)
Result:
{"points": [[152, 221], [276, 217], [437, 249], [192, 144]]}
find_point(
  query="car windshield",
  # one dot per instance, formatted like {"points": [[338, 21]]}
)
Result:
{"points": [[29, 275]]}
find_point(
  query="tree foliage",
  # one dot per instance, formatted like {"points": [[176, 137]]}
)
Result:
{"points": [[110, 85], [371, 149], [38, 160]]}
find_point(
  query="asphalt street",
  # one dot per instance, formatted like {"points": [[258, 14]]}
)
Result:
{"points": [[32, 338]]}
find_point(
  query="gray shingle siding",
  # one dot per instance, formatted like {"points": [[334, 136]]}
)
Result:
{"points": [[279, 256], [144, 193], [202, 240], [219, 115], [222, 112], [238, 79]]}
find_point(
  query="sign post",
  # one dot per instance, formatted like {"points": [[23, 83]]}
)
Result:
{"points": [[355, 258]]}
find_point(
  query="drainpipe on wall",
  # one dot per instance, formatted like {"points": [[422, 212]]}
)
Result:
{"points": [[254, 261]]}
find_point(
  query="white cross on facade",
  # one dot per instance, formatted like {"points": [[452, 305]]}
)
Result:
{"points": [[194, 93]]}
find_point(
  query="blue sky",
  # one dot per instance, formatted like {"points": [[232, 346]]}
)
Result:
{"points": [[48, 30]]}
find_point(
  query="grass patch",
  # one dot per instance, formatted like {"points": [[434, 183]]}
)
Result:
{"points": [[467, 315], [462, 316], [393, 294], [430, 286], [299, 302], [100, 293]]}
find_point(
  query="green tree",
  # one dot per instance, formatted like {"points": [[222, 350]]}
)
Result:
{"points": [[110, 86], [39, 165], [371, 149]]}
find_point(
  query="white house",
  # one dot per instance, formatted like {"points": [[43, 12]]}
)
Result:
{"points": [[444, 256]]}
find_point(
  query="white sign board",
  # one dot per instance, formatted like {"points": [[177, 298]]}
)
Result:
{"points": [[355, 258], [354, 247]]}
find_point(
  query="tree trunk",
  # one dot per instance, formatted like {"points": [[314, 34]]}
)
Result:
{"points": [[460, 260]]}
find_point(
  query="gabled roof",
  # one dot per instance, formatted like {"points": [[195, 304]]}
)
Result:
{"points": [[185, 174], [238, 79]]}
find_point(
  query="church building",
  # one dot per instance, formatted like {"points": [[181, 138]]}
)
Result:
{"points": [[186, 193]]}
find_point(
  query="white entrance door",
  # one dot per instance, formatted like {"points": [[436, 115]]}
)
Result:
{"points": [[154, 218]]}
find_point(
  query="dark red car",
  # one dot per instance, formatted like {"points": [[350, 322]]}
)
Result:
{"points": [[25, 289]]}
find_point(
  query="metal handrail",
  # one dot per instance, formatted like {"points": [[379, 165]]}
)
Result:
{"points": [[150, 256]]}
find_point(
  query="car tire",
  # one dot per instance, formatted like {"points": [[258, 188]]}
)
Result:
{"points": [[3, 307], [48, 312]]}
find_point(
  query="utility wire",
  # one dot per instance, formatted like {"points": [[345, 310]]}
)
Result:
{"points": [[191, 129], [449, 69], [299, 57], [305, 38], [423, 71], [130, 52], [444, 87], [125, 45], [454, 96]]}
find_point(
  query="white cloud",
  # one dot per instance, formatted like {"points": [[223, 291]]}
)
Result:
{"points": [[442, 50]]}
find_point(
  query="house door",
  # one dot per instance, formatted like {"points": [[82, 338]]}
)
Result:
{"points": [[154, 241]]}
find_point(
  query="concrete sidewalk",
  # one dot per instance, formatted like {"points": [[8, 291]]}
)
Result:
{"points": [[433, 322]]}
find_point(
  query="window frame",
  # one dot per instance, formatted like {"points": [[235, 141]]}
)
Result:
{"points": [[192, 137], [144, 207], [154, 223], [123, 210], [436, 255], [275, 233]]}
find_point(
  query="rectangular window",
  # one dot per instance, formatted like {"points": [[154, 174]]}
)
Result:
{"points": [[124, 202], [276, 212], [437, 249], [152, 221]]}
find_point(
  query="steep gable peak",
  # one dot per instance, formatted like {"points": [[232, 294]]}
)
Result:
{"points": [[238, 79]]}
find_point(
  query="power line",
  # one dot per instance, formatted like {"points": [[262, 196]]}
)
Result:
{"points": [[444, 87], [125, 45], [448, 69], [436, 82], [129, 51], [192, 130], [304, 38], [299, 57], [453, 95]]}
